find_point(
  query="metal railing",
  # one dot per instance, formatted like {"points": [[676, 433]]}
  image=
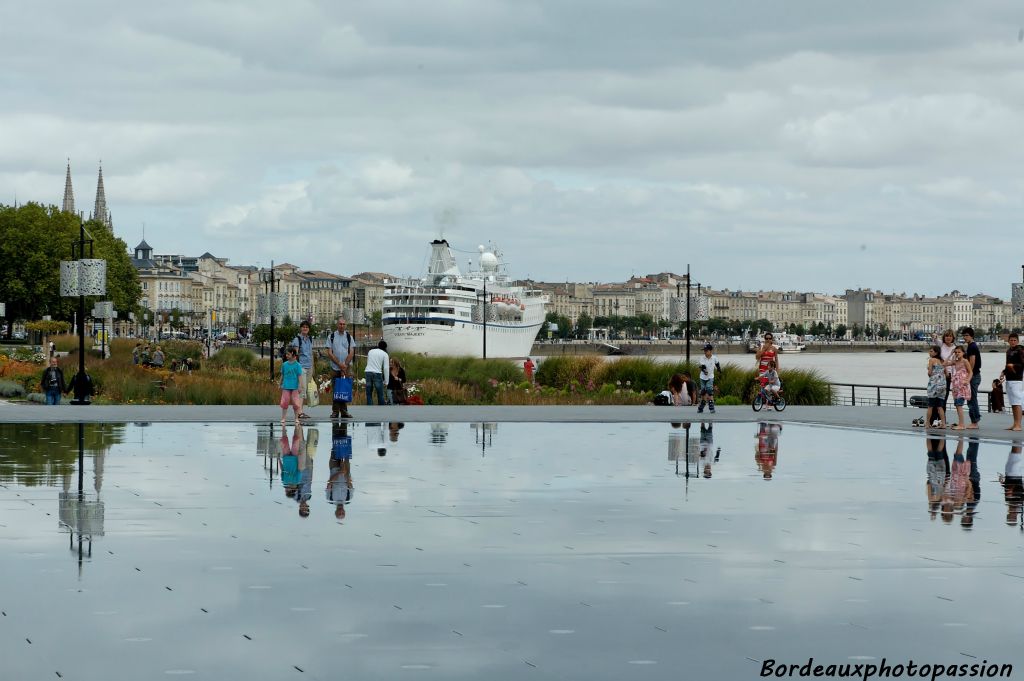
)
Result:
{"points": [[868, 395]]}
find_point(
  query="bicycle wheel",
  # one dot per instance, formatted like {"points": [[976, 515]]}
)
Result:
{"points": [[780, 403], [757, 403]]}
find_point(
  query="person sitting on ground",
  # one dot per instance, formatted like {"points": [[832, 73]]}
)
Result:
{"points": [[158, 358], [680, 391]]}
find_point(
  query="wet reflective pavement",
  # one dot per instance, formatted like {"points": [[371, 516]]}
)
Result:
{"points": [[511, 551]]}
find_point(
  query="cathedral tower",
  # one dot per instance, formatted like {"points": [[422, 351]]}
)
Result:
{"points": [[69, 193]]}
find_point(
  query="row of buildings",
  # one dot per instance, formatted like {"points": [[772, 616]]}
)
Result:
{"points": [[663, 297], [205, 288]]}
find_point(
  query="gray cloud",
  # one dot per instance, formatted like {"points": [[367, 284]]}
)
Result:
{"points": [[590, 141]]}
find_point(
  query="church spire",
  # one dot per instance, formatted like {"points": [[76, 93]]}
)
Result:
{"points": [[99, 212], [69, 193]]}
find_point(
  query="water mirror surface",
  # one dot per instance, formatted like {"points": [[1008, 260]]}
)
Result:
{"points": [[511, 551]]}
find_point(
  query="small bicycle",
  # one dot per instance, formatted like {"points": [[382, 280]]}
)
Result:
{"points": [[766, 398]]}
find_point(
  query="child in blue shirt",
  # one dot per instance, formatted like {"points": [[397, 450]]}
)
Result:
{"points": [[291, 370]]}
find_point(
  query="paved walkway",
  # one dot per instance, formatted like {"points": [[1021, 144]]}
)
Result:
{"points": [[872, 418]]}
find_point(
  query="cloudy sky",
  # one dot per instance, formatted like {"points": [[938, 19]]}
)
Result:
{"points": [[799, 144]]}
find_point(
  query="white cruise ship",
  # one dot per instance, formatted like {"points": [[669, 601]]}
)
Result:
{"points": [[455, 314]]}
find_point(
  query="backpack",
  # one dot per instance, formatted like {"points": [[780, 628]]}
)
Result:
{"points": [[661, 400], [346, 333]]}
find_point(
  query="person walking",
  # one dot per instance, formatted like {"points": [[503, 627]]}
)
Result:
{"points": [[341, 349], [53, 382], [1014, 375], [377, 363], [304, 345], [137, 353], [973, 356], [961, 385], [291, 370], [528, 367]]}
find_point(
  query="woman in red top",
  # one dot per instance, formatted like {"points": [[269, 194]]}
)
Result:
{"points": [[766, 353]]}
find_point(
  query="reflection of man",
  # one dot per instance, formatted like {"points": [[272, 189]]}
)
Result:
{"points": [[1013, 484], [766, 455], [339, 484]]}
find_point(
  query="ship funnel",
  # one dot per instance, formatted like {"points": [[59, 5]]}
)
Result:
{"points": [[442, 262]]}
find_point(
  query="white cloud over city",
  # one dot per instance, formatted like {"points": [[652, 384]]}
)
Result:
{"points": [[802, 145]]}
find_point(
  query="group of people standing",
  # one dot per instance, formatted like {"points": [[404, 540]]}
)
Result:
{"points": [[382, 372], [953, 369]]}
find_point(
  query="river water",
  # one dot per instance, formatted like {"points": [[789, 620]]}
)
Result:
{"points": [[872, 368]]}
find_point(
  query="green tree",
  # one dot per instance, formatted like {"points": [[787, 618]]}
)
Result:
{"points": [[376, 319], [856, 331], [583, 325], [841, 331], [33, 241]]}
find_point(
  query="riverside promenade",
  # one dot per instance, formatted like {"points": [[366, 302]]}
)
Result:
{"points": [[887, 419]]}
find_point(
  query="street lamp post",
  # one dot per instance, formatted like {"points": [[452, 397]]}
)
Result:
{"points": [[82, 387], [483, 315], [688, 311]]}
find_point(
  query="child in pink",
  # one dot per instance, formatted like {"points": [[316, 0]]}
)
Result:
{"points": [[291, 370]]}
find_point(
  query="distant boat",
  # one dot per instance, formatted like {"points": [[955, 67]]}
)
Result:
{"points": [[784, 342]]}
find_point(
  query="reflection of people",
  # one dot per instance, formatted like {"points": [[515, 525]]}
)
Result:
{"points": [[307, 449], [766, 454], [954, 495], [339, 484], [974, 481], [1013, 484], [938, 471]]}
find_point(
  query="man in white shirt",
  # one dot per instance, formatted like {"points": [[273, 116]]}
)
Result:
{"points": [[377, 369]]}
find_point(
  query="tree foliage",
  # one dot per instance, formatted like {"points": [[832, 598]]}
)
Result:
{"points": [[33, 241]]}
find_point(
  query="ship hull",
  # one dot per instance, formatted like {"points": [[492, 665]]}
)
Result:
{"points": [[462, 339]]}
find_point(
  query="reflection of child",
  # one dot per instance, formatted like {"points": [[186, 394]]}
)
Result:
{"points": [[995, 398], [707, 446]]}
